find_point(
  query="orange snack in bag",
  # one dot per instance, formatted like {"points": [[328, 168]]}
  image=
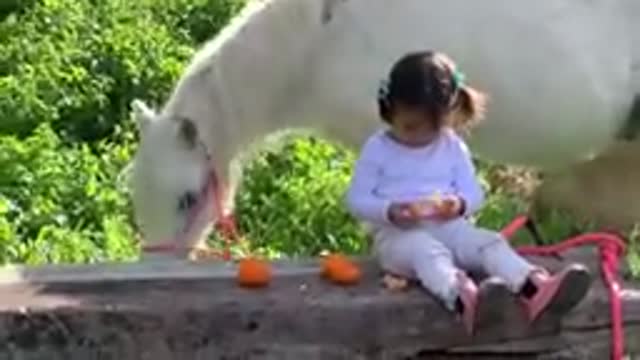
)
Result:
{"points": [[426, 207]]}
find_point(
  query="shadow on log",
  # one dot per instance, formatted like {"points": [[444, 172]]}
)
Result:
{"points": [[178, 310]]}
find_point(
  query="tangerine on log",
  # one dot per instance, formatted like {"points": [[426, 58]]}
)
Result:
{"points": [[254, 272], [340, 270]]}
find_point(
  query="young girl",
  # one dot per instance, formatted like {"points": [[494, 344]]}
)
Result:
{"points": [[424, 102]]}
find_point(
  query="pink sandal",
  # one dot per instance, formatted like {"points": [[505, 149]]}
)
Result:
{"points": [[468, 298], [558, 293]]}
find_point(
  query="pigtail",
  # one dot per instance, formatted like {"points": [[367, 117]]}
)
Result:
{"points": [[470, 108]]}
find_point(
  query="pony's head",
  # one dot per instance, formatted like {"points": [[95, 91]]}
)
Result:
{"points": [[173, 183]]}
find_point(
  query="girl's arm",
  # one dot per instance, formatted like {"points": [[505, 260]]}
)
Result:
{"points": [[361, 198], [465, 180]]}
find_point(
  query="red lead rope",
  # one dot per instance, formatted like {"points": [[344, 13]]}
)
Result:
{"points": [[611, 248], [226, 224]]}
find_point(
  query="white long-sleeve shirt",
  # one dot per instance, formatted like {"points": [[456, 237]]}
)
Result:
{"points": [[388, 171]]}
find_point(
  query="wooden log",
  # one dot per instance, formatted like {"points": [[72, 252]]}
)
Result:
{"points": [[179, 310]]}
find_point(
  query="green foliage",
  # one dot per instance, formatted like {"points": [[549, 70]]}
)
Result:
{"points": [[59, 203], [193, 21], [291, 201], [8, 7], [78, 64]]}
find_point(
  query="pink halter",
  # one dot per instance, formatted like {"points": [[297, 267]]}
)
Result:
{"points": [[212, 190]]}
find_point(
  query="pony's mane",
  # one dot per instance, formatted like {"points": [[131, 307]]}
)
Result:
{"points": [[258, 22]]}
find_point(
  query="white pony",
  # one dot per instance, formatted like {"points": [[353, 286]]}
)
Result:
{"points": [[560, 74]]}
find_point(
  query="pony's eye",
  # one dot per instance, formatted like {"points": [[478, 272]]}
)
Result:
{"points": [[187, 201]]}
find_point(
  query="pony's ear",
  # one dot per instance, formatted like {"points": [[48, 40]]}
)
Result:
{"points": [[143, 115], [188, 132]]}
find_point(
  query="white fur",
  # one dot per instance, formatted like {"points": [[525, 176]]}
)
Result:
{"points": [[559, 73], [632, 9]]}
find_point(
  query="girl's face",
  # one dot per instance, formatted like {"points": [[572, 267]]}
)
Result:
{"points": [[412, 126]]}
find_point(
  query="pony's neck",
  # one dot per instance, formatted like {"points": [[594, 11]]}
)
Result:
{"points": [[239, 85]]}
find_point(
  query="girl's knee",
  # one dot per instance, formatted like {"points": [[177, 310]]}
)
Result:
{"points": [[487, 239], [409, 249], [422, 244]]}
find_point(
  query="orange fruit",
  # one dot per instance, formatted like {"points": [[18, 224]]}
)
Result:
{"points": [[340, 270], [347, 274], [253, 272], [330, 262]]}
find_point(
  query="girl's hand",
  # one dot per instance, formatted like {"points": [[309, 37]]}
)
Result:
{"points": [[450, 207], [402, 214]]}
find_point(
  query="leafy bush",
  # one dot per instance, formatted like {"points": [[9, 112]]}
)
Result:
{"points": [[291, 200], [193, 21], [8, 7], [61, 204], [78, 64]]}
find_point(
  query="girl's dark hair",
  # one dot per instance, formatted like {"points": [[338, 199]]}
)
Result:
{"points": [[430, 80]]}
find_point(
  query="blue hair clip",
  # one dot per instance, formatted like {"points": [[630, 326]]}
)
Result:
{"points": [[458, 78]]}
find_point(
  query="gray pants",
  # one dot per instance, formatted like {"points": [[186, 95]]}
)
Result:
{"points": [[434, 252]]}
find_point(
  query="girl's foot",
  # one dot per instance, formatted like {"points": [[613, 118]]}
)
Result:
{"points": [[493, 299], [556, 294], [467, 301]]}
